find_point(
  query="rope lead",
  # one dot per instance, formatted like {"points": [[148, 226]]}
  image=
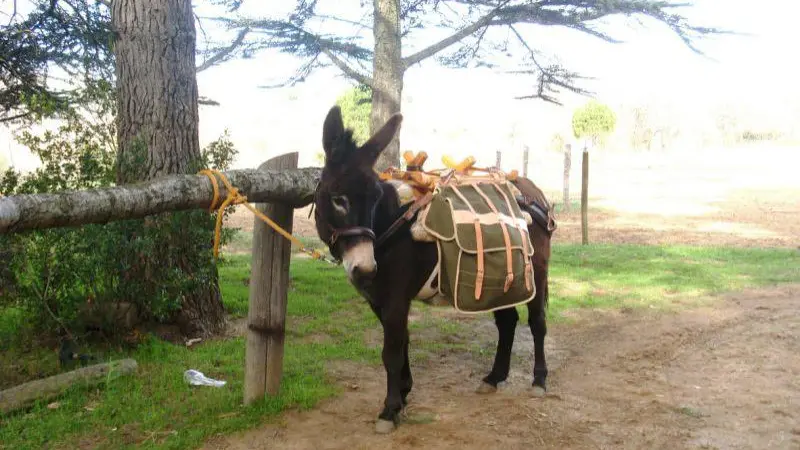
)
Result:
{"points": [[236, 198]]}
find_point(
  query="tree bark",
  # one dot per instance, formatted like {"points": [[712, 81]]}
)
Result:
{"points": [[46, 388], [157, 112], [157, 122], [387, 73]]}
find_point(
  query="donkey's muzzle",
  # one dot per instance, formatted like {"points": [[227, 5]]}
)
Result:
{"points": [[359, 262]]}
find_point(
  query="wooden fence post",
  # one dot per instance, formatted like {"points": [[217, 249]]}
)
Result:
{"points": [[567, 168], [269, 278], [525, 151], [585, 197], [499, 159]]}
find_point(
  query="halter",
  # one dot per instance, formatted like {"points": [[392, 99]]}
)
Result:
{"points": [[354, 231], [359, 231], [344, 232]]}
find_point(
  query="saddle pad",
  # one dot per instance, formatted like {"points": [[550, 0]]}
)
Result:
{"points": [[484, 247]]}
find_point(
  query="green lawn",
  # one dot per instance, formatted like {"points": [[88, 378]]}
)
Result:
{"points": [[156, 409], [664, 277]]}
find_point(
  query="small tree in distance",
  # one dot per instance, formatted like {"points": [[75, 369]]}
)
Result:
{"points": [[593, 121], [356, 104]]}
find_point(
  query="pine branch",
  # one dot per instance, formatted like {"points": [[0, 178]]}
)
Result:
{"points": [[349, 71], [453, 38], [548, 77], [225, 52]]}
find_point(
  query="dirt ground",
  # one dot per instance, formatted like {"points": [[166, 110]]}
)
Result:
{"points": [[721, 377]]}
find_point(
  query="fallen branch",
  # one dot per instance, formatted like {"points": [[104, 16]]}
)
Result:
{"points": [[169, 193], [46, 388]]}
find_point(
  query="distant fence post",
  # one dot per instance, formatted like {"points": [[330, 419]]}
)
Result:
{"points": [[585, 196], [567, 168], [269, 279], [499, 159], [525, 151]]}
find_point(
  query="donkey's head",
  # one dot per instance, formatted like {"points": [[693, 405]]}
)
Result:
{"points": [[349, 194]]}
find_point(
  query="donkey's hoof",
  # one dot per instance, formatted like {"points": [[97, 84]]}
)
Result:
{"points": [[538, 391], [383, 426], [486, 388]]}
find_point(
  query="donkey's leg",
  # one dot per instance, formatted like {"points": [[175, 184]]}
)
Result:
{"points": [[538, 324], [406, 380], [506, 321], [394, 318]]}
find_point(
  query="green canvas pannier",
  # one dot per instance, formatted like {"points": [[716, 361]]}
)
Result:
{"points": [[484, 247]]}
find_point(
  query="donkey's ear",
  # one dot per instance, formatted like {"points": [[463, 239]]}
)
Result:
{"points": [[380, 140], [332, 129]]}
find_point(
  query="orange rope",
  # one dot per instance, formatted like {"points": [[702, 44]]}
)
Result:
{"points": [[235, 198]]}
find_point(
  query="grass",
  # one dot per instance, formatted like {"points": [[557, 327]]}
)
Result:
{"points": [[662, 277], [157, 409], [234, 282], [326, 322], [558, 206]]}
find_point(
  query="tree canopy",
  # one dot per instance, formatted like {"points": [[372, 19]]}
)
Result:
{"points": [[594, 120], [57, 54], [53, 56], [491, 33]]}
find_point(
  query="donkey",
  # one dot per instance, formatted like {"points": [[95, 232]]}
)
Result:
{"points": [[354, 209]]}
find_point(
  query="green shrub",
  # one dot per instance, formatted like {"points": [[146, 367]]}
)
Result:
{"points": [[54, 274]]}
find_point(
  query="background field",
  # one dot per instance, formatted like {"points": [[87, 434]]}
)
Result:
{"points": [[743, 197]]}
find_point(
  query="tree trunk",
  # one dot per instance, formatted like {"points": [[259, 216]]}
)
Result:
{"points": [[387, 74], [156, 89], [158, 119]]}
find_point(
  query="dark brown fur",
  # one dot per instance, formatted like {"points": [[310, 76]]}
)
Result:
{"points": [[403, 265]]}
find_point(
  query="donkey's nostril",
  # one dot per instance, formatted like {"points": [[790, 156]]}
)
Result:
{"points": [[366, 272], [363, 274]]}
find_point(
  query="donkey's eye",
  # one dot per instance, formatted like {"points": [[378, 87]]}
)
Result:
{"points": [[341, 204]]}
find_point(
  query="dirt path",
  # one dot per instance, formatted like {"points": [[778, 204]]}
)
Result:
{"points": [[708, 378]]}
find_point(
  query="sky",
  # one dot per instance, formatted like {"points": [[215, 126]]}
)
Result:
{"points": [[472, 111]]}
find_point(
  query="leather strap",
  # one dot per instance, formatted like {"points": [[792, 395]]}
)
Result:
{"points": [[523, 235], [506, 238], [406, 217], [539, 214], [478, 243], [350, 232]]}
